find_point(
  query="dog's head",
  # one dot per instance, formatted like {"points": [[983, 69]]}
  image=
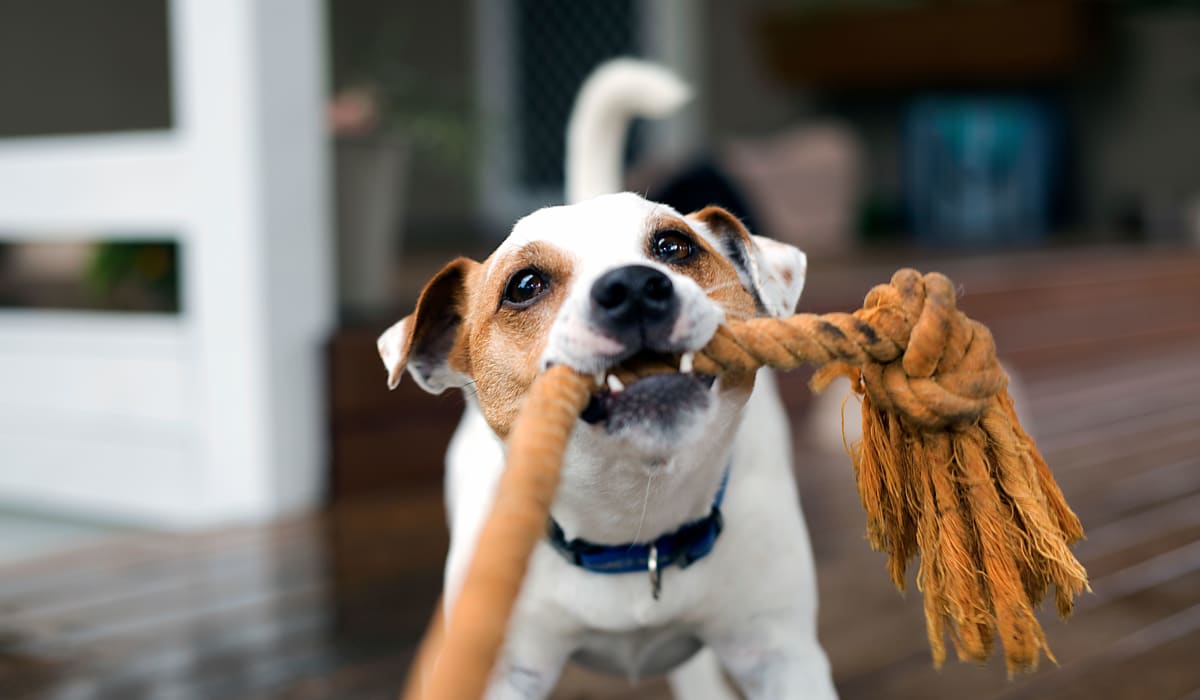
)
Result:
{"points": [[613, 283]]}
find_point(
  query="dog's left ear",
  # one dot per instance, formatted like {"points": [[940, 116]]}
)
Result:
{"points": [[772, 271], [426, 342]]}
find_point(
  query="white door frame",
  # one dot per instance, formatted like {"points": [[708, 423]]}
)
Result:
{"points": [[215, 414]]}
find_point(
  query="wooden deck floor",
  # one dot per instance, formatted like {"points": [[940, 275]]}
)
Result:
{"points": [[330, 605]]}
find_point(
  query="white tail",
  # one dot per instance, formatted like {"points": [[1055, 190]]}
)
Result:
{"points": [[614, 94]]}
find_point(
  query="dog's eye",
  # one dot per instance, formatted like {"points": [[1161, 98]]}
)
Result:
{"points": [[672, 247], [525, 287]]}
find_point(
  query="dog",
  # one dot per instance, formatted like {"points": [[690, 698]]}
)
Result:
{"points": [[676, 544]]}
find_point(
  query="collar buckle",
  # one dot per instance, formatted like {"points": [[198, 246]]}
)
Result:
{"points": [[690, 543], [655, 572]]}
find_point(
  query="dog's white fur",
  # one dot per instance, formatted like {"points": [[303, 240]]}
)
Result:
{"points": [[752, 600]]}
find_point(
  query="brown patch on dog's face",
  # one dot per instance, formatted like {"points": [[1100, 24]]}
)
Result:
{"points": [[506, 341], [715, 274]]}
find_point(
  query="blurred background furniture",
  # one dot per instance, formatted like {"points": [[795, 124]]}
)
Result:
{"points": [[370, 178]]}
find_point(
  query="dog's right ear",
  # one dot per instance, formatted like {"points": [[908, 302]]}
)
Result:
{"points": [[770, 270], [426, 342]]}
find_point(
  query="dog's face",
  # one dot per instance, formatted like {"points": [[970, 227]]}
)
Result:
{"points": [[614, 285]]}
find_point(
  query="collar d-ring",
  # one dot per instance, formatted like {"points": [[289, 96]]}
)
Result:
{"points": [[654, 571]]}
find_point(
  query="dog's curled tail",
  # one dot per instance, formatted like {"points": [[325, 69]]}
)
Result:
{"points": [[614, 94]]}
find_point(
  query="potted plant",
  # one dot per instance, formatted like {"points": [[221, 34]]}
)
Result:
{"points": [[380, 117]]}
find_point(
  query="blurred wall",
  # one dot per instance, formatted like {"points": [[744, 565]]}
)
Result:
{"points": [[1138, 114], [738, 96], [1132, 111], [1129, 108]]}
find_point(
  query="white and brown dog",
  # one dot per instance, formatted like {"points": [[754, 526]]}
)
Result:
{"points": [[677, 524]]}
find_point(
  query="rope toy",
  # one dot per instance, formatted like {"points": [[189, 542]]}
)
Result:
{"points": [[944, 469]]}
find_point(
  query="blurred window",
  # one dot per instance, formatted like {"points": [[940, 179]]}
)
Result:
{"points": [[83, 66], [94, 275], [557, 45]]}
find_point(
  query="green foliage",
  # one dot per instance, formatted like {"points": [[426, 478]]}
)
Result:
{"points": [[149, 267]]}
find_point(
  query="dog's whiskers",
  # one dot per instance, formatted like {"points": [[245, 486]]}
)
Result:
{"points": [[723, 285]]}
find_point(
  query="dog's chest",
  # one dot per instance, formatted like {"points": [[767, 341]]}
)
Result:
{"points": [[640, 652]]}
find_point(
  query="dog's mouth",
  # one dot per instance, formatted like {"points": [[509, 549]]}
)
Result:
{"points": [[648, 388]]}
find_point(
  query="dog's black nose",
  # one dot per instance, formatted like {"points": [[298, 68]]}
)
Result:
{"points": [[635, 296]]}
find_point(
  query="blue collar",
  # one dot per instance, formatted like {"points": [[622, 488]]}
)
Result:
{"points": [[683, 547]]}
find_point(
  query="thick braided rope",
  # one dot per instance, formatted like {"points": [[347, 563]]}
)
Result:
{"points": [[947, 372], [478, 622], [979, 503]]}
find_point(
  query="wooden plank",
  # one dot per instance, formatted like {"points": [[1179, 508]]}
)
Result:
{"points": [[96, 415], [1157, 660], [1102, 625], [382, 441], [919, 46], [95, 363], [116, 185], [267, 622], [124, 477]]}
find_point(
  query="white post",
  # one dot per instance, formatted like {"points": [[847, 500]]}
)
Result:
{"points": [[249, 86]]}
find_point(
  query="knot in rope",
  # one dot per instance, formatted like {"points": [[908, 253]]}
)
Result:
{"points": [[916, 354], [948, 372]]}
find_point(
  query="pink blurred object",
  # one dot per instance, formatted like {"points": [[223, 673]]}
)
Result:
{"points": [[805, 183], [353, 112]]}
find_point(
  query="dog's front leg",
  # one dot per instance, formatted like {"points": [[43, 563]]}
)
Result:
{"points": [[532, 659], [513, 679], [774, 656]]}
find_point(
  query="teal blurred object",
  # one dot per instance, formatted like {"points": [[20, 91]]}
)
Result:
{"points": [[980, 171]]}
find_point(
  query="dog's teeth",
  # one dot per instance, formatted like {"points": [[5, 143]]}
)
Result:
{"points": [[615, 384], [599, 376], [685, 362]]}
